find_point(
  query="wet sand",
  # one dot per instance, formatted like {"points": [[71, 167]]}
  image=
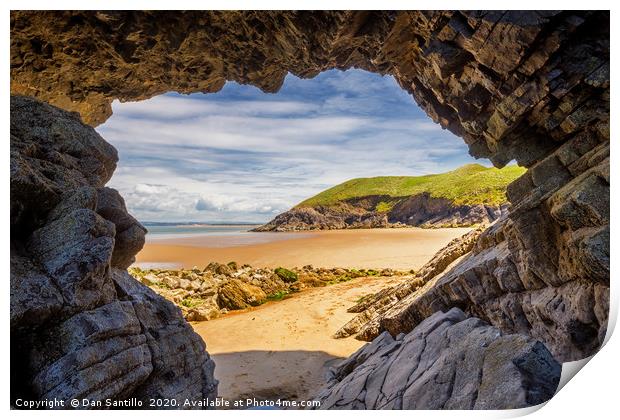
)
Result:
{"points": [[400, 249], [282, 349]]}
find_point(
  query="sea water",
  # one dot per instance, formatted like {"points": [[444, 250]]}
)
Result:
{"points": [[215, 236], [181, 230], [208, 236]]}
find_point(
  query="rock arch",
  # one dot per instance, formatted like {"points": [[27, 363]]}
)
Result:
{"points": [[531, 86]]}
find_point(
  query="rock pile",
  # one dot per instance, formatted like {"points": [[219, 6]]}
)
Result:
{"points": [[203, 294]]}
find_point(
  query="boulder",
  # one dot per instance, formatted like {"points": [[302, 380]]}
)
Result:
{"points": [[221, 269], [129, 236], [150, 279], [308, 280], [203, 312], [287, 276], [171, 282], [236, 294]]}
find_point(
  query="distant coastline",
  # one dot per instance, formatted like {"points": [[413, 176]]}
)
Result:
{"points": [[465, 197], [200, 224], [171, 230]]}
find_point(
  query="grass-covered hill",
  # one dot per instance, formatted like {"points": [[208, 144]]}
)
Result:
{"points": [[469, 195], [468, 185]]}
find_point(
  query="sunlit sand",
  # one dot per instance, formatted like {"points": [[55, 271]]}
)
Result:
{"points": [[400, 249], [282, 349]]}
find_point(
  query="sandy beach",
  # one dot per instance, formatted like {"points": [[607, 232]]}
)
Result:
{"points": [[282, 349], [400, 249]]}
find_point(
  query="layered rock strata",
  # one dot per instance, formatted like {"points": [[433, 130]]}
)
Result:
{"points": [[420, 210], [543, 270], [513, 84], [81, 326], [449, 361], [531, 86], [367, 326]]}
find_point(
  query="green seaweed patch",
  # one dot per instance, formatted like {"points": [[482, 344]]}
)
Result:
{"points": [[287, 276], [282, 294], [372, 273], [341, 279], [163, 285], [190, 303]]}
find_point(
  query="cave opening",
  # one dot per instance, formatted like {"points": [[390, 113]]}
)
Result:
{"points": [[242, 155], [200, 171], [542, 99]]}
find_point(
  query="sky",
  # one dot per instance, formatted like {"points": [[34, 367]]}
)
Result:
{"points": [[241, 155]]}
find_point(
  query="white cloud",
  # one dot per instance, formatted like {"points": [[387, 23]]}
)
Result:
{"points": [[188, 107], [159, 202], [241, 155]]}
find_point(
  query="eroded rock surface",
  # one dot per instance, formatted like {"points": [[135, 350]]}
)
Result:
{"points": [[367, 326], [449, 361], [526, 85], [544, 269], [417, 210], [81, 327], [511, 83]]}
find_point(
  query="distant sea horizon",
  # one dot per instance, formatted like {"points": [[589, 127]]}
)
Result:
{"points": [[170, 230], [151, 223], [215, 235]]}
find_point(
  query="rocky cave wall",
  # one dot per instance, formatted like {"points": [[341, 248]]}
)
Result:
{"points": [[81, 326], [531, 86]]}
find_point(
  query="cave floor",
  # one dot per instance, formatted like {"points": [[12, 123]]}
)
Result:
{"points": [[282, 349]]}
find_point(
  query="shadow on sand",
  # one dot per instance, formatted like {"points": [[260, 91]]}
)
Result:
{"points": [[271, 375]]}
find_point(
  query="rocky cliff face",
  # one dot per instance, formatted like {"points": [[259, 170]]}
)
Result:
{"points": [[531, 86], [418, 210], [552, 284], [81, 327], [426, 211], [513, 84]]}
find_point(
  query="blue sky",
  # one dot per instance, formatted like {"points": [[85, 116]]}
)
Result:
{"points": [[244, 155]]}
